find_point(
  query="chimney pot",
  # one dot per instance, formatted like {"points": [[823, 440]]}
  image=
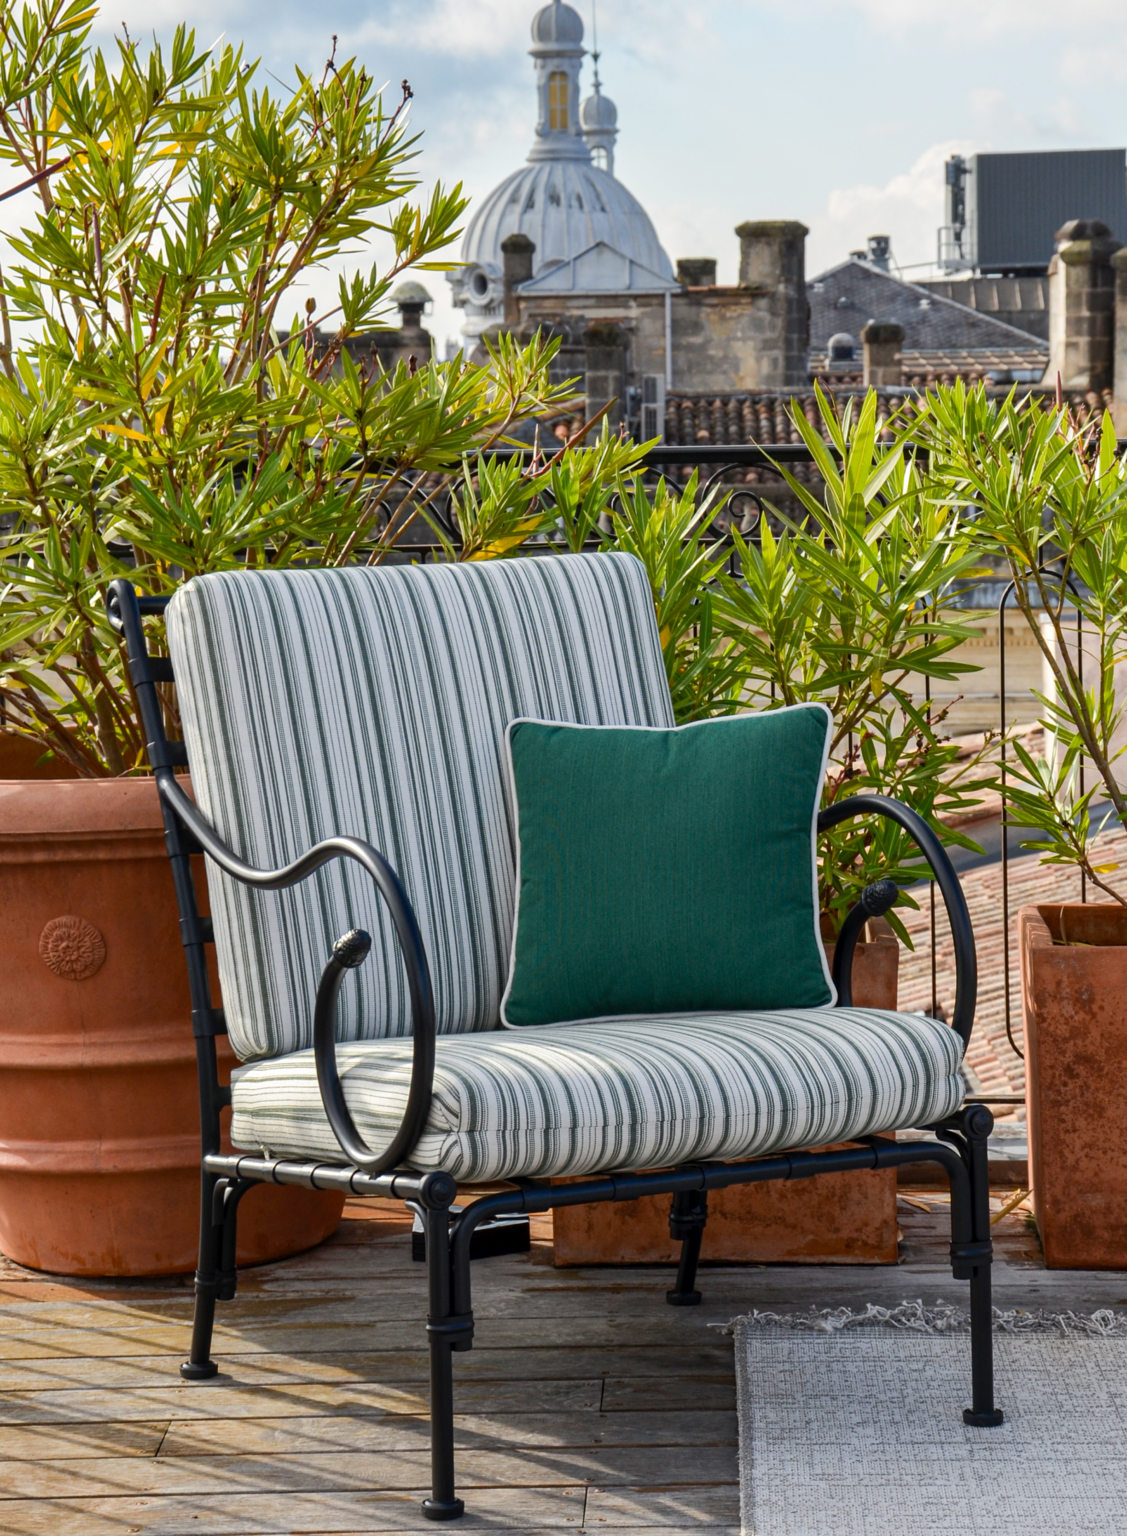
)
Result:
{"points": [[697, 272], [882, 341]]}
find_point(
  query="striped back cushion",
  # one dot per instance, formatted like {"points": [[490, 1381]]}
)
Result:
{"points": [[373, 703]]}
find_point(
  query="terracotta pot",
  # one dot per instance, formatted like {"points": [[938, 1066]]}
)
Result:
{"points": [[21, 758], [1074, 1002], [99, 1116], [838, 1218]]}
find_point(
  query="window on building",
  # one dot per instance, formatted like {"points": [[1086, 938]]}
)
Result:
{"points": [[600, 157], [557, 100]]}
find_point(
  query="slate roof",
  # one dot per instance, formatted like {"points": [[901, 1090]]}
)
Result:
{"points": [[1020, 301], [847, 296]]}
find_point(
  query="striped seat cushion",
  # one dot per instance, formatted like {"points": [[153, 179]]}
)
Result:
{"points": [[585, 1098], [373, 703]]}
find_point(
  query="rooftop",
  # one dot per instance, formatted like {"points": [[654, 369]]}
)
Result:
{"points": [[847, 296]]}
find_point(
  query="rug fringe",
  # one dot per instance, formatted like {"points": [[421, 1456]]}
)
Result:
{"points": [[942, 1318]]}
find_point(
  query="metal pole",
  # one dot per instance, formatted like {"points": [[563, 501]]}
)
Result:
{"points": [[668, 339], [1004, 828], [1080, 676], [931, 883]]}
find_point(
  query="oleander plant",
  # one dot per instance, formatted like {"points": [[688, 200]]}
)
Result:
{"points": [[1046, 495], [854, 606], [166, 413]]}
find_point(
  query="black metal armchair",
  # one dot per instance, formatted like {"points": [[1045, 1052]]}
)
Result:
{"points": [[262, 659]]}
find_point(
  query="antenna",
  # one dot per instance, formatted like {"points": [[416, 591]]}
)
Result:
{"points": [[595, 54]]}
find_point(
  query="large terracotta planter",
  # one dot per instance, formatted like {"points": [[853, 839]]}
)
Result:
{"points": [[1074, 1001], [99, 1117], [838, 1218], [22, 758]]}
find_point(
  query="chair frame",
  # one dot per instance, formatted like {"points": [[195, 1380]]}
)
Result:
{"points": [[961, 1147]]}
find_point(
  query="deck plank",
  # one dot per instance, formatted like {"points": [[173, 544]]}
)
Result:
{"points": [[372, 1340], [199, 1437], [389, 1367], [182, 1401], [43, 1442], [514, 1466], [495, 1512]]}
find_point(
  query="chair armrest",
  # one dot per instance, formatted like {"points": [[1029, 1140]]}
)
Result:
{"points": [[125, 610], [349, 951], [966, 963]]}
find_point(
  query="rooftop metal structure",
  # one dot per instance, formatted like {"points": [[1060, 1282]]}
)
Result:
{"points": [[1003, 210]]}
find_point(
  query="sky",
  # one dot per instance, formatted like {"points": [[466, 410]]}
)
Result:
{"points": [[839, 113]]}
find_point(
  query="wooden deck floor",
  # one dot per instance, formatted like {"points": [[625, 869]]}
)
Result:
{"points": [[587, 1404]]}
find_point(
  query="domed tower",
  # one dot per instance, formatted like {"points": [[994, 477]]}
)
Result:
{"points": [[557, 50], [598, 121], [569, 205]]}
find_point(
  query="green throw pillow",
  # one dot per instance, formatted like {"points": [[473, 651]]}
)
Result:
{"points": [[667, 871]]}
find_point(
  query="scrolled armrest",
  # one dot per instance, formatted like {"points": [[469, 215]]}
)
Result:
{"points": [[966, 963], [349, 951]]}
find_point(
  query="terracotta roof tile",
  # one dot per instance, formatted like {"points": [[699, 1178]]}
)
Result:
{"points": [[761, 416]]}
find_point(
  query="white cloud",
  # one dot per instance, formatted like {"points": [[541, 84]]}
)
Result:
{"points": [[972, 20], [468, 28], [996, 116], [908, 208], [1088, 66]]}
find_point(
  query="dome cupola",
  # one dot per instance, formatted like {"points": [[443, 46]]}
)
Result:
{"points": [[598, 123], [565, 200], [557, 49], [557, 23]]}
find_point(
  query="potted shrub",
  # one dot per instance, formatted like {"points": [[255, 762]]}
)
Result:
{"points": [[1050, 498], [849, 607], [157, 423]]}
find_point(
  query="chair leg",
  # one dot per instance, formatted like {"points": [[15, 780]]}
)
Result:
{"points": [[976, 1125], [444, 1330], [687, 1217], [229, 1238], [200, 1366]]}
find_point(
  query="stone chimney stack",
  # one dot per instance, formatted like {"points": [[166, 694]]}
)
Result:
{"points": [[1082, 283], [411, 344], [1119, 398], [773, 260], [517, 252], [697, 271], [882, 341]]}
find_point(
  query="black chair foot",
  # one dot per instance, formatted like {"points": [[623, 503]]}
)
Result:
{"points": [[190, 1371], [683, 1298], [443, 1509], [989, 1420]]}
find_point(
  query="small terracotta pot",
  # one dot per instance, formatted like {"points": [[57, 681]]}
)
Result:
{"points": [[1074, 1003], [99, 1108], [837, 1218]]}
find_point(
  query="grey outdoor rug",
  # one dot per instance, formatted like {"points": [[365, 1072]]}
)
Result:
{"points": [[851, 1425]]}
